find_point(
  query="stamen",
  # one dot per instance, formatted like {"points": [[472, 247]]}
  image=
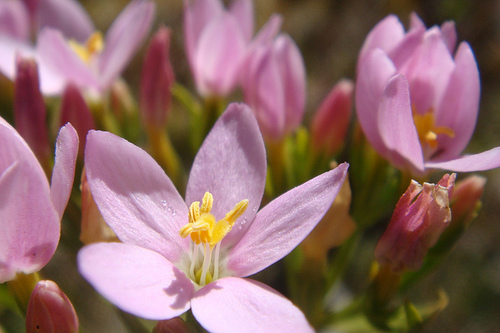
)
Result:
{"points": [[93, 45], [203, 229], [427, 130]]}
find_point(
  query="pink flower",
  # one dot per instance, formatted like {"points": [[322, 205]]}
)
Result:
{"points": [[274, 83], [50, 310], [420, 216], [31, 209], [93, 65], [417, 101], [174, 254], [19, 18], [217, 41]]}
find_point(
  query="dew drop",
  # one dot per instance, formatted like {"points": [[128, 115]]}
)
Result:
{"points": [[164, 205], [171, 211]]}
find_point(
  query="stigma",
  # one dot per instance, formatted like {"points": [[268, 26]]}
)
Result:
{"points": [[92, 46], [206, 234]]}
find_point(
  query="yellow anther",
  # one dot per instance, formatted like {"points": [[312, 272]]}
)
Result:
{"points": [[208, 201], [93, 45], [427, 130], [202, 226], [237, 211]]}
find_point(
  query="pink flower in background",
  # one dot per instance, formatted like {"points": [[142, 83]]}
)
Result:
{"points": [[218, 40], [94, 64], [274, 83], [30, 208], [177, 255], [416, 100], [420, 216], [20, 18]]}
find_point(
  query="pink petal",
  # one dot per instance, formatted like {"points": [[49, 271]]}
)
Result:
{"points": [[218, 56], [124, 38], [13, 149], [14, 20], [63, 173], [243, 305], [293, 73], [428, 71], [449, 35], [231, 164], [68, 16], [416, 22], [459, 107], [29, 229], [57, 55], [197, 15], [136, 280], [487, 160], [396, 126], [373, 75], [134, 195], [242, 11], [265, 92], [281, 225], [386, 35], [10, 49]]}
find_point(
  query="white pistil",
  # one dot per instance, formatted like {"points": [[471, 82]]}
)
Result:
{"points": [[194, 259], [216, 261], [206, 264]]}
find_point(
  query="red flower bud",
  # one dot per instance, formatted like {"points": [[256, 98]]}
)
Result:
{"points": [[49, 310], [420, 216]]}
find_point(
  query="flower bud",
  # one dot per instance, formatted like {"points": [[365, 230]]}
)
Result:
{"points": [[29, 110], [329, 124], [174, 325], [49, 310], [420, 216], [274, 84], [93, 228], [156, 80], [465, 201], [74, 110], [333, 229]]}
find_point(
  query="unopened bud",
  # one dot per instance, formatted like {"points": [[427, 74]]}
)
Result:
{"points": [[49, 310], [29, 110], [74, 110], [174, 325], [465, 201], [420, 216], [330, 123], [93, 228], [333, 229], [156, 80]]}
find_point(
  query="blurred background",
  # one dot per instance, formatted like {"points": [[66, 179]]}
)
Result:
{"points": [[330, 34]]}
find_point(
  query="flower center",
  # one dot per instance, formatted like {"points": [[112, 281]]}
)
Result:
{"points": [[428, 131], [92, 46], [206, 235]]}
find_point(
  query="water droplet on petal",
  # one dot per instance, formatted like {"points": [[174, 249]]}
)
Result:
{"points": [[164, 205]]}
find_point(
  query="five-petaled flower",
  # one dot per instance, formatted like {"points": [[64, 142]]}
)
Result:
{"points": [[94, 63], [416, 101], [178, 255]]}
